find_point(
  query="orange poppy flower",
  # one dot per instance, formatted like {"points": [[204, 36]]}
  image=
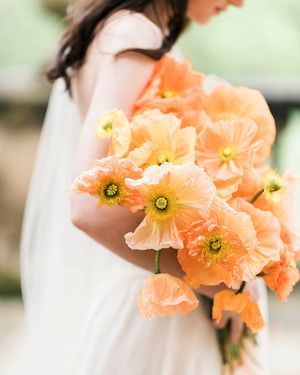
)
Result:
{"points": [[226, 150], [164, 295], [161, 140], [216, 249], [191, 283], [174, 196], [267, 229], [173, 87], [114, 125], [241, 303], [229, 103], [282, 276], [106, 182]]}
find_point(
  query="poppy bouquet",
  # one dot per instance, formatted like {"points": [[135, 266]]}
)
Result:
{"points": [[192, 157]]}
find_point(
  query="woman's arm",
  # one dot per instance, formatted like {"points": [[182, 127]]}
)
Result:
{"points": [[118, 85], [119, 82]]}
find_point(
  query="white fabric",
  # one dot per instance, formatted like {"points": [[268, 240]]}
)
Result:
{"points": [[80, 298]]}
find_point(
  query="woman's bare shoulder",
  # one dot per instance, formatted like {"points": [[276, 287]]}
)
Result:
{"points": [[125, 30]]}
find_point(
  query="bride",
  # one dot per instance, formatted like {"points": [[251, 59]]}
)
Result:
{"points": [[79, 279]]}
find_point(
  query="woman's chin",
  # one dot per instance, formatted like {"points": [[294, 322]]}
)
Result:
{"points": [[201, 20]]}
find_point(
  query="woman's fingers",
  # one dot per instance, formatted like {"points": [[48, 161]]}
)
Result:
{"points": [[236, 329], [222, 323], [225, 318], [236, 325]]}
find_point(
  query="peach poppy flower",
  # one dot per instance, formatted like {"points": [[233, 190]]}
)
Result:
{"points": [[226, 149], [163, 140], [216, 249], [195, 118], [277, 197], [115, 126], [174, 195], [229, 103], [164, 295], [277, 188], [106, 182], [250, 184], [242, 304], [173, 87], [267, 229], [275, 194], [227, 189], [284, 209], [273, 187], [282, 276]]}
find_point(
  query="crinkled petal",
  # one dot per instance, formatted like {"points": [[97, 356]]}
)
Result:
{"points": [[164, 295], [153, 235], [241, 303]]}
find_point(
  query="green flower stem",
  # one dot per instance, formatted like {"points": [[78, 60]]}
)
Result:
{"points": [[256, 196], [157, 259], [242, 287]]}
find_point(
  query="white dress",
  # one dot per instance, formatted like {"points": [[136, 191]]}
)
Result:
{"points": [[80, 298]]}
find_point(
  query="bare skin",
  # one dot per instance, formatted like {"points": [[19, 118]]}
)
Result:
{"points": [[201, 11], [98, 90]]}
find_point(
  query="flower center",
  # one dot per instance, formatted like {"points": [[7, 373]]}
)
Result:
{"points": [[162, 159], [215, 247], [104, 128], [111, 190], [161, 203], [227, 153], [167, 94], [273, 185], [107, 126]]}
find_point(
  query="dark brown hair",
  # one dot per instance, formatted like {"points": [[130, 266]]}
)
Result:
{"points": [[86, 15]]}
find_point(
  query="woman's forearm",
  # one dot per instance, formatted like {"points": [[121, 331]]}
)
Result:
{"points": [[108, 226]]}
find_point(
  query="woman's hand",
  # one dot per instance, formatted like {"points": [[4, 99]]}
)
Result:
{"points": [[236, 328], [236, 325]]}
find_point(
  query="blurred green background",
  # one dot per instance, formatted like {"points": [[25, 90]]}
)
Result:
{"points": [[262, 39], [258, 46]]}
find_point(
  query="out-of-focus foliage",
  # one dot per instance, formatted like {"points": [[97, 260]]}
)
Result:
{"points": [[9, 285], [57, 6], [262, 38], [29, 33]]}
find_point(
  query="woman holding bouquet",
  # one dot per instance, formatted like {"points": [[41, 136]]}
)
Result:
{"points": [[80, 280]]}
